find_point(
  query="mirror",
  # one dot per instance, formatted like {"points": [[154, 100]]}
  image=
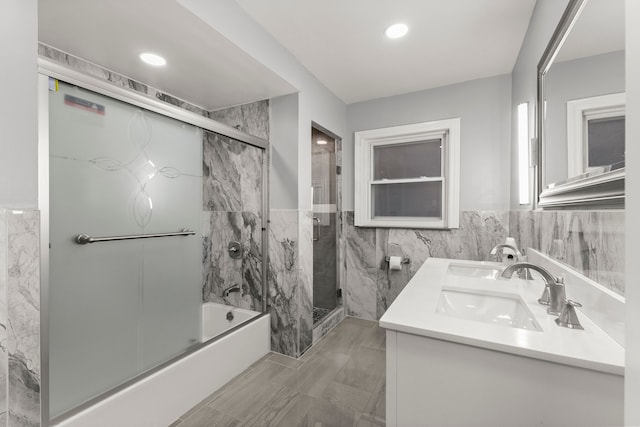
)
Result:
{"points": [[581, 106]]}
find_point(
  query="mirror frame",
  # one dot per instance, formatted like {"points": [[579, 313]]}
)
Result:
{"points": [[603, 190]]}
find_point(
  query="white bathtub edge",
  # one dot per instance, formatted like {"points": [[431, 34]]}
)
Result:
{"points": [[161, 398]]}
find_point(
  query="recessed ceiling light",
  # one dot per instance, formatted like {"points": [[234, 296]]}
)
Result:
{"points": [[153, 59], [321, 142], [396, 31]]}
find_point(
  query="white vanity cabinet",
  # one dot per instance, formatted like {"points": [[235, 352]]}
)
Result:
{"points": [[432, 382], [449, 371]]}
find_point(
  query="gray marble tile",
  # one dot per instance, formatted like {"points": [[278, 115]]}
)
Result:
{"points": [[232, 175], [283, 281], [221, 270], [221, 173], [249, 165], [4, 360], [372, 287], [362, 269], [252, 118], [305, 236], [591, 242], [23, 301], [327, 324], [252, 288]]}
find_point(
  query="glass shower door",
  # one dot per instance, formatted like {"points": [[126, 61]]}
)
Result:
{"points": [[324, 224], [118, 308]]}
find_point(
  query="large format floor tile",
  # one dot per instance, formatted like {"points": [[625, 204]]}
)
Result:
{"points": [[339, 382]]}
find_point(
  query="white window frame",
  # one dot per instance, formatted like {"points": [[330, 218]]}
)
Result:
{"points": [[365, 141], [579, 112]]}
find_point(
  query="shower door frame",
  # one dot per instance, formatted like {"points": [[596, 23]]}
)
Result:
{"points": [[337, 142], [47, 70]]}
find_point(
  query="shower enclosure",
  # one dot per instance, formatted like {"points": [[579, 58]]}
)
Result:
{"points": [[135, 245], [325, 223]]}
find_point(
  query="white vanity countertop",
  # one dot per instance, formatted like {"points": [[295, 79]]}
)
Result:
{"points": [[414, 312]]}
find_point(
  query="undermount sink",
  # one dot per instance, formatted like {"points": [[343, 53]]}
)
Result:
{"points": [[505, 309], [475, 270]]}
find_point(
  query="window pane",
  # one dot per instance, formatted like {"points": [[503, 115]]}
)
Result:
{"points": [[606, 141], [415, 199], [412, 160]]}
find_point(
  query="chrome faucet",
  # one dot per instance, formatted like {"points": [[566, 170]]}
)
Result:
{"points": [[523, 273], [233, 288], [554, 291]]}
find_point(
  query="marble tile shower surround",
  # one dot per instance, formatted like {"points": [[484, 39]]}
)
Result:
{"points": [[591, 242], [252, 118], [20, 375], [232, 211]]}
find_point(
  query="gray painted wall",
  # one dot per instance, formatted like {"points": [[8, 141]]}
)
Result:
{"points": [[567, 81], [483, 106], [18, 110], [283, 179], [544, 20], [315, 102]]}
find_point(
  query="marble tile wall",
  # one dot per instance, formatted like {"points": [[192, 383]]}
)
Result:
{"points": [[4, 357], [249, 118], [20, 375], [305, 235], [284, 286], [372, 287], [591, 242], [232, 212]]}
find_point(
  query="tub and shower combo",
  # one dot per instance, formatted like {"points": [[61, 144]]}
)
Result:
{"points": [[150, 214]]}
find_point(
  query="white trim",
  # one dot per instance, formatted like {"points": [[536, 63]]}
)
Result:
{"points": [[449, 131], [406, 181], [325, 208], [602, 189], [577, 111]]}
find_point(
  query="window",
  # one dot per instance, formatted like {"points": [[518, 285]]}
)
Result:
{"points": [[408, 176], [595, 133]]}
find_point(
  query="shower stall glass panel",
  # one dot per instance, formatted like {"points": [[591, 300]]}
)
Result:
{"points": [[323, 177], [118, 308]]}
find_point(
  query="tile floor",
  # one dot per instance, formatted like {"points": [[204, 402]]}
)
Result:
{"points": [[338, 382]]}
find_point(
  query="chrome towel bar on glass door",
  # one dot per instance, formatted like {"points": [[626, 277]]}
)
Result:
{"points": [[83, 239]]}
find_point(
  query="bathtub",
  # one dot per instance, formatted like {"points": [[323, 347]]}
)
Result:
{"points": [[219, 318], [160, 398]]}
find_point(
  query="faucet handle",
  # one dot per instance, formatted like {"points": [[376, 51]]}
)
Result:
{"points": [[544, 299], [568, 317]]}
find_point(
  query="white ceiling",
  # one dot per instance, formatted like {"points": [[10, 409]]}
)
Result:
{"points": [[203, 67], [341, 42]]}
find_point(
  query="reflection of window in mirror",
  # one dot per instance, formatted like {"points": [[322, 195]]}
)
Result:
{"points": [[595, 134]]}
